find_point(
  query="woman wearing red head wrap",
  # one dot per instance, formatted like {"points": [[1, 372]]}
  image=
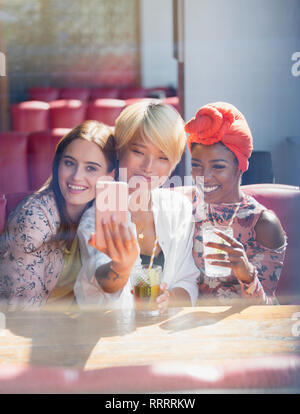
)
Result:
{"points": [[220, 143]]}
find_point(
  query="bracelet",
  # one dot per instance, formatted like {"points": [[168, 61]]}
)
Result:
{"points": [[251, 286]]}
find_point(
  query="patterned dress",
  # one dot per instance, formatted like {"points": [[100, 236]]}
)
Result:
{"points": [[267, 262], [30, 262]]}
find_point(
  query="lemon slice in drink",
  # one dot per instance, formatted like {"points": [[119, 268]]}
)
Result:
{"points": [[153, 277]]}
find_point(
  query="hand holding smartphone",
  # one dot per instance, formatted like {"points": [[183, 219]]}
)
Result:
{"points": [[111, 200]]}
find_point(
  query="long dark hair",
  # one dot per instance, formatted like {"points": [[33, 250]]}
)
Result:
{"points": [[92, 131]]}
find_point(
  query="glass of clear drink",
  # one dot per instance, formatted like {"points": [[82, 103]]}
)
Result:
{"points": [[209, 235]]}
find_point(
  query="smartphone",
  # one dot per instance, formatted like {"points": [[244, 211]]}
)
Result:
{"points": [[111, 199]]}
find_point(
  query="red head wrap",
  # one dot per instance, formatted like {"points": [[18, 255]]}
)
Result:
{"points": [[222, 122]]}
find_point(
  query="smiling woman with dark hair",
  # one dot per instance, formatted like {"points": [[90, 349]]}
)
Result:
{"points": [[220, 142], [39, 254]]}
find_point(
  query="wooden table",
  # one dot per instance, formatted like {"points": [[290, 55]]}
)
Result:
{"points": [[93, 339]]}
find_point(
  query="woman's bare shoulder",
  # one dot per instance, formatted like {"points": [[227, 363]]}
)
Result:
{"points": [[269, 231]]}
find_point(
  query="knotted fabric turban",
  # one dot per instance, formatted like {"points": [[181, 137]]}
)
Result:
{"points": [[222, 122]]}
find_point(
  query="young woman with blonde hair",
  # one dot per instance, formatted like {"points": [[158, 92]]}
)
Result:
{"points": [[150, 140]]}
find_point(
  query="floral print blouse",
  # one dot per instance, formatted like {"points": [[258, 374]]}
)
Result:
{"points": [[30, 261], [267, 262]]}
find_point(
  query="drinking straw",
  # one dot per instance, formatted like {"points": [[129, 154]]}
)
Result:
{"points": [[153, 254]]}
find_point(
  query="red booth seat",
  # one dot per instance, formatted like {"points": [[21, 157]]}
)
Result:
{"points": [[29, 116], [284, 200], [49, 94], [66, 113], [13, 199], [131, 101], [41, 150], [74, 93], [105, 110], [132, 92], [43, 94], [100, 93], [13, 162]]}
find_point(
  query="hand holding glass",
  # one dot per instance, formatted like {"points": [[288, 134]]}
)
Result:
{"points": [[209, 235]]}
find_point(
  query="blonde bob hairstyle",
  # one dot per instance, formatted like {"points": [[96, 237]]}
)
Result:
{"points": [[152, 120]]}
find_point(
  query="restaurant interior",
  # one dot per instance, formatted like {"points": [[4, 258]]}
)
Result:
{"points": [[62, 63]]}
